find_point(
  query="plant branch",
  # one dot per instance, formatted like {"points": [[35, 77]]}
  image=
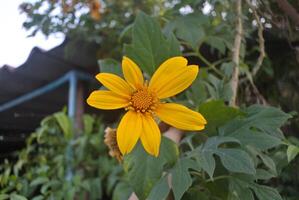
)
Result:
{"points": [[260, 98], [261, 40], [211, 66], [218, 178], [236, 53]]}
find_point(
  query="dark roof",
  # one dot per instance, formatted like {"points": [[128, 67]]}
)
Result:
{"points": [[40, 69]]}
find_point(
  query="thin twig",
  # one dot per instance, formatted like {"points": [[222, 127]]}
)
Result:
{"points": [[261, 40], [236, 53], [209, 65], [218, 178], [260, 98], [259, 95]]}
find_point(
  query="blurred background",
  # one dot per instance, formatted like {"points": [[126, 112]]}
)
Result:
{"points": [[51, 50]]}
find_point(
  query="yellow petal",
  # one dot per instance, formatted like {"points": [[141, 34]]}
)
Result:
{"points": [[175, 82], [180, 117], [150, 136], [106, 100], [115, 84], [132, 73], [167, 67], [128, 131]]}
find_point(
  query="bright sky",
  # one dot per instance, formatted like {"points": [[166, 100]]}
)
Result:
{"points": [[15, 46]]}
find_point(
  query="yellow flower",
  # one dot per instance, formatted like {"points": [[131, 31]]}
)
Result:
{"points": [[143, 102]]}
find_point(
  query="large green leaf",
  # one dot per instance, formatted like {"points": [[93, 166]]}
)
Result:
{"points": [[266, 119], [258, 139], [181, 179], [234, 160], [262, 174], [206, 160], [217, 114], [110, 65], [122, 191], [149, 47], [144, 170], [266, 160], [161, 190], [266, 193], [189, 28], [217, 43], [240, 184], [197, 93]]}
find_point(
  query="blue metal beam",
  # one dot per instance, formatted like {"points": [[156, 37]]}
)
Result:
{"points": [[51, 86]]}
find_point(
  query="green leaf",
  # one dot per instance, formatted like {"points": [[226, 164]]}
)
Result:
{"points": [[189, 28], [227, 68], [224, 114], [235, 160], [266, 119], [213, 142], [258, 139], [39, 197], [65, 124], [161, 190], [149, 47], [240, 183], [122, 191], [206, 161], [217, 43], [292, 152], [95, 188], [88, 123], [197, 93], [17, 197], [266, 193], [238, 192], [181, 179], [190, 33], [39, 181], [218, 88], [268, 162], [110, 65], [262, 174], [4, 196], [174, 45], [144, 170], [53, 184]]}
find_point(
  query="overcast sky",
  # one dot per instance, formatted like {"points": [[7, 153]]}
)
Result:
{"points": [[15, 46]]}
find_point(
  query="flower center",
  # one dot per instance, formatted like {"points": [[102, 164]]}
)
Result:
{"points": [[143, 100]]}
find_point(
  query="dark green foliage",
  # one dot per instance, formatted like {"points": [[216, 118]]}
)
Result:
{"points": [[56, 165]]}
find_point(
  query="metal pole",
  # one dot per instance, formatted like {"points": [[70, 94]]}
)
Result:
{"points": [[72, 95], [71, 113]]}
